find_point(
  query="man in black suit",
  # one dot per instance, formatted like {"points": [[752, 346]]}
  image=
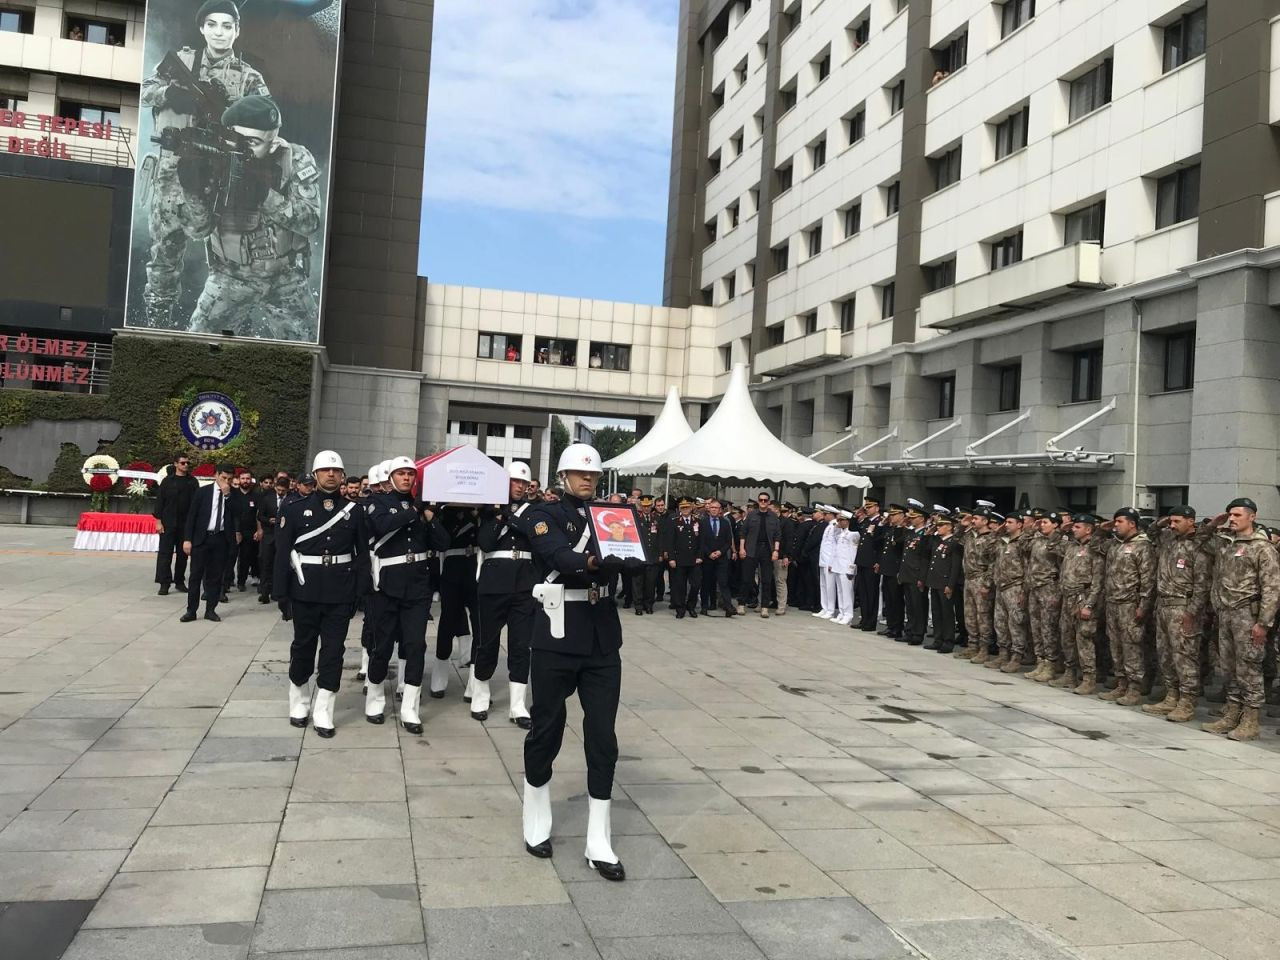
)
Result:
{"points": [[173, 501], [759, 544], [210, 541], [716, 544], [269, 504]]}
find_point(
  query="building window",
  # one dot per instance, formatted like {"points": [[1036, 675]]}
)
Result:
{"points": [[1014, 14], [950, 57], [758, 120], [17, 21], [1086, 375], [711, 229], [498, 346], [888, 300], [1011, 132], [1180, 361], [466, 428], [946, 398], [809, 323], [753, 195], [859, 32], [713, 165], [774, 336], [12, 103], [818, 154], [847, 307], [1010, 393], [897, 97], [852, 219], [726, 357], [708, 295], [813, 237], [822, 66], [1178, 197], [740, 72], [735, 145], [1080, 499], [1169, 497], [784, 176], [89, 113], [892, 198], [1091, 91], [95, 31], [946, 168], [900, 5], [1087, 225], [1006, 251], [521, 433], [939, 276], [610, 356], [733, 214], [749, 268], [557, 352], [780, 257], [730, 284], [717, 97], [855, 124], [788, 96], [791, 17], [1184, 39]]}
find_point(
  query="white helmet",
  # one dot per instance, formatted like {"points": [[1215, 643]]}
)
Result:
{"points": [[384, 474], [400, 463], [581, 457], [519, 471], [327, 460], [373, 473]]}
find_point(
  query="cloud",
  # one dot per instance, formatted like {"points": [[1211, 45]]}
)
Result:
{"points": [[554, 106]]}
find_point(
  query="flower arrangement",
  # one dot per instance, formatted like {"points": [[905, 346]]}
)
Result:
{"points": [[99, 472]]}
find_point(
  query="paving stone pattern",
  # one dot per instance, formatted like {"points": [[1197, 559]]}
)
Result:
{"points": [[787, 789]]}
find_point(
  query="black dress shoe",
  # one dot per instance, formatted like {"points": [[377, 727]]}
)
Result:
{"points": [[164, 590], [540, 850], [210, 615], [262, 599], [626, 604], [187, 617], [946, 647], [679, 614], [481, 716], [224, 598], [377, 719], [705, 611], [299, 722], [916, 642], [524, 723], [610, 871], [931, 645], [902, 639], [240, 587], [325, 733], [639, 611], [694, 614], [414, 728], [180, 585]]}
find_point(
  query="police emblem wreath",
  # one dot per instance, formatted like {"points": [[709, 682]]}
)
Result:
{"points": [[210, 421]]}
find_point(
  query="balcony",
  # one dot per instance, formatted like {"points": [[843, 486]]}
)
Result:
{"points": [[1021, 286], [806, 351]]}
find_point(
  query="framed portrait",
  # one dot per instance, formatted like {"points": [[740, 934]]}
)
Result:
{"points": [[617, 530]]}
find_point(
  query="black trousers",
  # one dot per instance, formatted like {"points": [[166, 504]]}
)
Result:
{"points": [[324, 625], [944, 618], [598, 681], [867, 589], [685, 583], [208, 562], [715, 583], [246, 560], [171, 562], [397, 621], [917, 611], [764, 592], [515, 611], [266, 565], [458, 614], [894, 604], [644, 586]]}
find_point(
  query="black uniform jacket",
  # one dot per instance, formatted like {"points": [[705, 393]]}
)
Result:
{"points": [[683, 541], [502, 531], [650, 528], [173, 500], [397, 528], [462, 524], [555, 530], [944, 564], [348, 534], [269, 504], [915, 557], [892, 542], [869, 545]]}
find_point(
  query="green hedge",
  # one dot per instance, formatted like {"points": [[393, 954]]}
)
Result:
{"points": [[23, 406]]}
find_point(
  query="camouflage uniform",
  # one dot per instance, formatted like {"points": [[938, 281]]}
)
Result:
{"points": [[166, 223], [1183, 572], [1081, 580], [979, 555], [1246, 590], [259, 260], [1011, 600], [1130, 591], [1044, 598]]}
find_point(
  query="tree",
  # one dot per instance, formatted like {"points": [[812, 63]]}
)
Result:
{"points": [[611, 441], [559, 440]]}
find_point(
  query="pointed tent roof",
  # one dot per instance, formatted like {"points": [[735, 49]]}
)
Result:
{"points": [[734, 445], [669, 429]]}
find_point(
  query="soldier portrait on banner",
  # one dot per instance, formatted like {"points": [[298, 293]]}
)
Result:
{"points": [[235, 139]]}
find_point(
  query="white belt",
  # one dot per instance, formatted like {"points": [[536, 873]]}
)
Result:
{"points": [[509, 555], [326, 560], [458, 552], [405, 558], [587, 596]]}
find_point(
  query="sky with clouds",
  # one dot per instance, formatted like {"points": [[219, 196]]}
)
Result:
{"points": [[548, 146]]}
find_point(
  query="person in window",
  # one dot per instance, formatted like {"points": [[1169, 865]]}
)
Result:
{"points": [[570, 359], [595, 361], [512, 354], [540, 356], [76, 34], [939, 76]]}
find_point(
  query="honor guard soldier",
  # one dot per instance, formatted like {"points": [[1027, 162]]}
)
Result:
{"points": [[319, 540], [402, 535], [684, 557], [646, 581], [507, 576], [458, 612], [577, 640], [911, 576], [944, 574], [367, 637]]}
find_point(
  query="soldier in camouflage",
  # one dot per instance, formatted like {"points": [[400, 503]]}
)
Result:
{"points": [[1183, 571], [1081, 581], [258, 244], [1011, 596], [1246, 595], [228, 78], [1044, 595], [1130, 594], [980, 546]]}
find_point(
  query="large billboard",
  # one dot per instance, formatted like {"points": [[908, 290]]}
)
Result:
{"points": [[235, 137]]}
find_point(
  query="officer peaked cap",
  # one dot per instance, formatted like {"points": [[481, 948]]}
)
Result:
{"points": [[254, 111], [217, 6], [1243, 502]]}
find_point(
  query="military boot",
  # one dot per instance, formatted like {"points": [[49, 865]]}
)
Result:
{"points": [[965, 653], [1247, 728], [999, 660], [1012, 665], [981, 656], [1052, 671], [1088, 685], [1184, 711], [1230, 720], [1165, 706], [1120, 689], [1132, 697], [1065, 680], [1037, 672]]}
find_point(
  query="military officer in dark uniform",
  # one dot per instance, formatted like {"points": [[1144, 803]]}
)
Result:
{"points": [[507, 576], [911, 575], [577, 639], [683, 554], [458, 611], [379, 483], [943, 578], [894, 539], [646, 581], [402, 535], [867, 588], [317, 545]]}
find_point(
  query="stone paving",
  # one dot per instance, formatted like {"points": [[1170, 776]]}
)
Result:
{"points": [[787, 789]]}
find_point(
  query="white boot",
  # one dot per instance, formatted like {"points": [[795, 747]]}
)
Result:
{"points": [[409, 709], [299, 705], [364, 664], [400, 671], [375, 702], [537, 819], [600, 855], [479, 698], [322, 718], [440, 678], [518, 712], [469, 693]]}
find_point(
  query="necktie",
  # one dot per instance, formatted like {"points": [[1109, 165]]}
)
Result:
{"points": [[715, 527], [217, 495]]}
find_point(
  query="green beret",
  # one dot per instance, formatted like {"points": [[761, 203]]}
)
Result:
{"points": [[217, 6], [255, 112]]}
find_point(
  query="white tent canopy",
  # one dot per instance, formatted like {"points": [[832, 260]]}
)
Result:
{"points": [[735, 446], [669, 429]]}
